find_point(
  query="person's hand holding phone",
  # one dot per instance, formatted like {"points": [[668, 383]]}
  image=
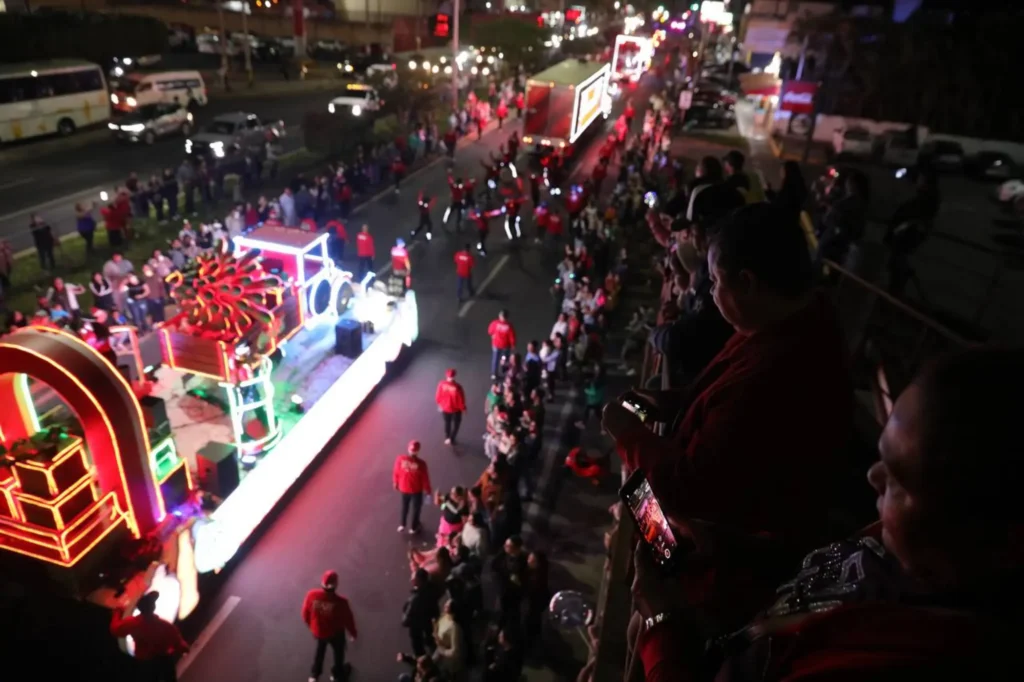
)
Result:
{"points": [[654, 591]]}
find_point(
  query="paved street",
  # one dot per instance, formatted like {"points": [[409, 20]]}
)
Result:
{"points": [[345, 514], [52, 184]]}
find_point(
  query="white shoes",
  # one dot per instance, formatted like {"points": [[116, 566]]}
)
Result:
{"points": [[401, 528]]}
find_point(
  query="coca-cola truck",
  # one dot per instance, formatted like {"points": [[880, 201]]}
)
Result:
{"points": [[564, 102]]}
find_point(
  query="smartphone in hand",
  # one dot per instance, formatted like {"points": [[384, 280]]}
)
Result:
{"points": [[650, 520]]}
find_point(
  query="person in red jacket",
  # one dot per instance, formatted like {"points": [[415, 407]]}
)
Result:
{"points": [[555, 224], [398, 173], [451, 141], [510, 208], [401, 269], [481, 219], [451, 401], [336, 240], [520, 104], [464, 263], [424, 203], [501, 112], [329, 616], [115, 222], [457, 204], [365, 251], [541, 219], [629, 113], [503, 340], [157, 642], [931, 591], [411, 478]]}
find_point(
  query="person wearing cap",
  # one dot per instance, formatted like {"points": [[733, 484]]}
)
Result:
{"points": [[451, 401], [157, 642], [329, 616], [411, 478]]}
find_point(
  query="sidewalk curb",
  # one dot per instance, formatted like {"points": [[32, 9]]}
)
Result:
{"points": [[25, 253]]}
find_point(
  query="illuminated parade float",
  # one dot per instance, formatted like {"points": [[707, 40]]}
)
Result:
{"points": [[115, 480]]}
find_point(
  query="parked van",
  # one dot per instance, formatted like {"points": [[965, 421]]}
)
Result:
{"points": [[162, 87]]}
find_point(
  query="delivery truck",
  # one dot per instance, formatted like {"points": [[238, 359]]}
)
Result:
{"points": [[564, 102]]}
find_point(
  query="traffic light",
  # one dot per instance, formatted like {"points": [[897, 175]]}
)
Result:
{"points": [[440, 25], [695, 6]]}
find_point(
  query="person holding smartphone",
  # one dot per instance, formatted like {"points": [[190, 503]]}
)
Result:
{"points": [[751, 441], [931, 591]]}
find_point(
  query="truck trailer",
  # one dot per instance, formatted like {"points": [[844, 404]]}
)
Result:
{"points": [[565, 101]]}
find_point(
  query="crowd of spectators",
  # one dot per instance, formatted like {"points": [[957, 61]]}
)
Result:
{"points": [[755, 411]]}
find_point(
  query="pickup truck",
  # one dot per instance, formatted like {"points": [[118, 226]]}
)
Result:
{"points": [[358, 98], [235, 133]]}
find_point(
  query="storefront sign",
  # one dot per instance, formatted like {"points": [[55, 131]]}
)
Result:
{"points": [[798, 97]]}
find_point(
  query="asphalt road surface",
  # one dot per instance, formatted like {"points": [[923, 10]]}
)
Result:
{"points": [[346, 514], [52, 184]]}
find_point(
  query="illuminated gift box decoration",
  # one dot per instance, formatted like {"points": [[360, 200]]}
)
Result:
{"points": [[49, 463]]}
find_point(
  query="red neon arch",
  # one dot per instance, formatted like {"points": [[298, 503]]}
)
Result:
{"points": [[104, 403]]}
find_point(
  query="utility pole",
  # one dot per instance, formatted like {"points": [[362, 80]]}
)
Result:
{"points": [[223, 48], [367, 13], [455, 54], [248, 42]]}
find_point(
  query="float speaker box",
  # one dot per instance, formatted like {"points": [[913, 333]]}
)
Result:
{"points": [[218, 468], [154, 411], [348, 338]]}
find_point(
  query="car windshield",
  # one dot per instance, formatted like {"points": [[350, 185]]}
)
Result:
{"points": [[858, 135], [221, 127]]}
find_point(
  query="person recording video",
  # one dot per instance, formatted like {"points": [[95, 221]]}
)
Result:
{"points": [[753, 441]]}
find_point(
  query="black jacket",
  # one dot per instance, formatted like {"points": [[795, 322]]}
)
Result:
{"points": [[420, 610]]}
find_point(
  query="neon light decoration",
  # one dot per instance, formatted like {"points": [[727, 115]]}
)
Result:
{"points": [[224, 297], [231, 523], [636, 53], [591, 99], [56, 505]]}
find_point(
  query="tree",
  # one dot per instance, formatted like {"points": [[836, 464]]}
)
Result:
{"points": [[582, 47], [952, 78], [522, 42]]}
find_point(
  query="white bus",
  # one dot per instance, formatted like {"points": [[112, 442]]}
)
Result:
{"points": [[45, 97]]}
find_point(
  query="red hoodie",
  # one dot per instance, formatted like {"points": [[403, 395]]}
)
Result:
{"points": [[327, 614], [503, 335], [450, 397], [364, 245], [410, 475], [770, 422], [464, 263], [153, 636]]}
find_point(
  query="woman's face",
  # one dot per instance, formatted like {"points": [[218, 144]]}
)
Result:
{"points": [[532, 561]]}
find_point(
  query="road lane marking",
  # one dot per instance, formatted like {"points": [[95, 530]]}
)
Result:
{"points": [[483, 286], [17, 183], [230, 604]]}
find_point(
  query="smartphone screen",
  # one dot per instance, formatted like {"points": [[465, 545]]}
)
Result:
{"points": [[650, 519]]}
